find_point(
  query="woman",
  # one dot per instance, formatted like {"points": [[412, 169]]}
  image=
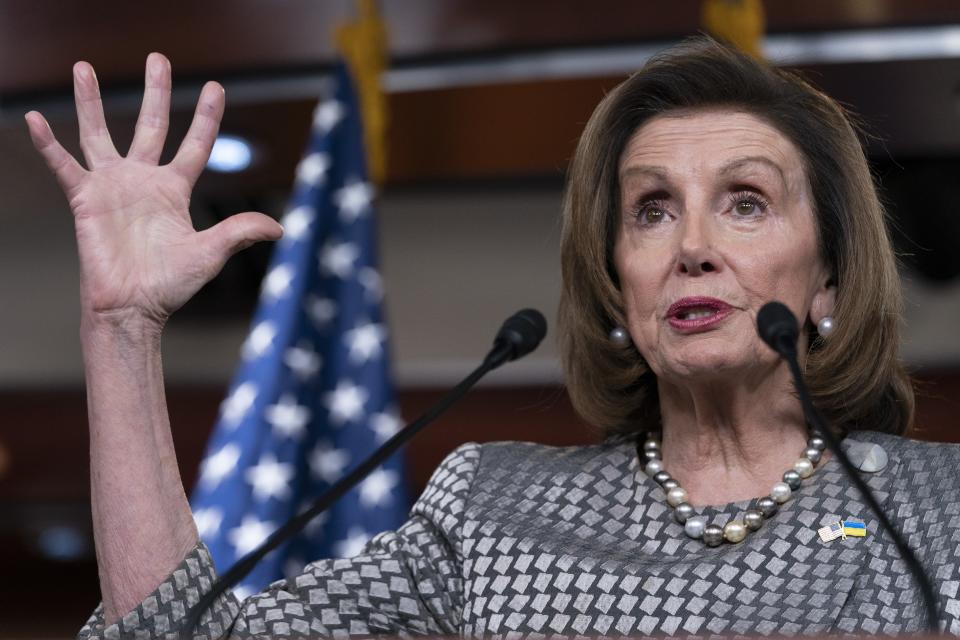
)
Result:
{"points": [[703, 187]]}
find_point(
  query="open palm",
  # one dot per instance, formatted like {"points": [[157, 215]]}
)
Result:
{"points": [[138, 249]]}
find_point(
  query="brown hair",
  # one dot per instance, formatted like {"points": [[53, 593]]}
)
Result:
{"points": [[855, 377]]}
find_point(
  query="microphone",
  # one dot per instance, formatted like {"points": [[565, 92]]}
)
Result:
{"points": [[778, 328], [520, 334]]}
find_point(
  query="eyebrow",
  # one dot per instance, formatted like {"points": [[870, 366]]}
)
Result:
{"points": [[660, 172], [737, 163], [656, 171]]}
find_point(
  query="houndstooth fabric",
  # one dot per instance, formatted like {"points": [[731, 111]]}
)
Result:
{"points": [[523, 540]]}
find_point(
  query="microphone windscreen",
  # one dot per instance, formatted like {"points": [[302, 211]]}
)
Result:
{"points": [[523, 331], [778, 327]]}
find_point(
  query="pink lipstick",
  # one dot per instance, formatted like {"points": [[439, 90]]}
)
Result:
{"points": [[697, 313]]}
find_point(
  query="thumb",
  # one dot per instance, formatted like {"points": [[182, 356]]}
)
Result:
{"points": [[237, 233]]}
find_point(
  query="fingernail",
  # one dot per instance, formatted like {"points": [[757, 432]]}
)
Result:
{"points": [[83, 71], [156, 62]]}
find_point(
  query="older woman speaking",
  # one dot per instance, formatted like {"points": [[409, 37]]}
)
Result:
{"points": [[704, 186]]}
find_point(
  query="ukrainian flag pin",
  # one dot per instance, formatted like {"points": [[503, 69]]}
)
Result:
{"points": [[854, 529]]}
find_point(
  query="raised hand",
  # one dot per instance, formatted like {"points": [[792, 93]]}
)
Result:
{"points": [[139, 252]]}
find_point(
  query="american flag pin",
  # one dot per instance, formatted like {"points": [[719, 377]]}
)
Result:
{"points": [[832, 531]]}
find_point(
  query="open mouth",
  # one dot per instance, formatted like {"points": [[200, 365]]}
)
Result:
{"points": [[694, 313]]}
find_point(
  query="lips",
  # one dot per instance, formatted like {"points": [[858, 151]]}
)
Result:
{"points": [[693, 314]]}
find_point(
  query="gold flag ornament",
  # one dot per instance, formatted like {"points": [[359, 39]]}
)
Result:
{"points": [[363, 45], [739, 22]]}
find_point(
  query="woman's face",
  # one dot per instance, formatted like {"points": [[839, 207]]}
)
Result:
{"points": [[716, 220]]}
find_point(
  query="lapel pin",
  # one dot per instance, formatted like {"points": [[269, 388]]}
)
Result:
{"points": [[842, 529], [854, 529]]}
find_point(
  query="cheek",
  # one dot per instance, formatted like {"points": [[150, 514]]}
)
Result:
{"points": [[642, 278], [786, 272]]}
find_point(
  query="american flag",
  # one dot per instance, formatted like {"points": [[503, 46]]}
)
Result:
{"points": [[312, 396], [832, 531]]}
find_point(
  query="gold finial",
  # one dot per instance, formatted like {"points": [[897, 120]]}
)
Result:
{"points": [[739, 22], [363, 44]]}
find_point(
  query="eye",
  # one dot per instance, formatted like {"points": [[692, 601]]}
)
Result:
{"points": [[746, 204], [651, 212]]}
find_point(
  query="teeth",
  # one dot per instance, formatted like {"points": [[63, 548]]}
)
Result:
{"points": [[693, 315]]}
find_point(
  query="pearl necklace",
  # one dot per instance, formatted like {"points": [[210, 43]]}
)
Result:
{"points": [[735, 530]]}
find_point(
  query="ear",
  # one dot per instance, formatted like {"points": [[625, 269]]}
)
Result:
{"points": [[824, 300]]}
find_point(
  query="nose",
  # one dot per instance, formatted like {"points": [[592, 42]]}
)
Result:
{"points": [[696, 254]]}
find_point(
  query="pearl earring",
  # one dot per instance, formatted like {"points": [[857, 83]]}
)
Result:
{"points": [[619, 336], [826, 326]]}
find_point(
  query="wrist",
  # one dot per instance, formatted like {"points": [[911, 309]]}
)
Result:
{"points": [[131, 325]]}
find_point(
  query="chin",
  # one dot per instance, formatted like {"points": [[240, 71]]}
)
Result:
{"points": [[707, 361]]}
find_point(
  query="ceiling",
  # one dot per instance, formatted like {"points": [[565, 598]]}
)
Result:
{"points": [[272, 56]]}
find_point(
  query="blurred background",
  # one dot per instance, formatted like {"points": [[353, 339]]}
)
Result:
{"points": [[486, 101]]}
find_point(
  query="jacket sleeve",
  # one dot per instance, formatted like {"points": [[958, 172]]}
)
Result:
{"points": [[405, 582]]}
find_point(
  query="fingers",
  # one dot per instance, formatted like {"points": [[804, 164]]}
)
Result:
{"points": [[192, 156], [151, 131], [236, 233], [63, 165], [94, 138]]}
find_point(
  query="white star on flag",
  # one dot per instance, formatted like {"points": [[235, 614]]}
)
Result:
{"points": [[328, 463], [372, 284], [288, 418], [312, 170], [321, 310], [243, 591], [208, 521], [259, 340], [269, 478], [276, 284], [337, 259], [248, 536], [385, 425], [328, 114], [217, 466], [303, 361], [297, 222], [345, 403], [376, 487], [354, 543], [353, 200], [365, 342], [235, 407]]}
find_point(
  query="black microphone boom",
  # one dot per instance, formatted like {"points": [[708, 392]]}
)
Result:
{"points": [[778, 327], [520, 334]]}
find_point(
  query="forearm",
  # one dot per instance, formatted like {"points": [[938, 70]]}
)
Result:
{"points": [[142, 521]]}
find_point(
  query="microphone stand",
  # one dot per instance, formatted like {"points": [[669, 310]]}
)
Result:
{"points": [[783, 339], [520, 334]]}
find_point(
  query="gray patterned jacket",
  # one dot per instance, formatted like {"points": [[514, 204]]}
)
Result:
{"points": [[524, 540]]}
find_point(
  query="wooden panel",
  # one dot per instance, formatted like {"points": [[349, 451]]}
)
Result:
{"points": [[45, 433], [509, 130], [45, 436], [243, 36]]}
